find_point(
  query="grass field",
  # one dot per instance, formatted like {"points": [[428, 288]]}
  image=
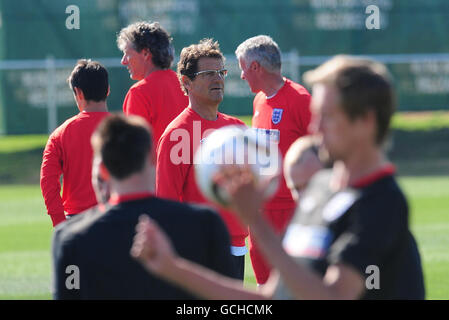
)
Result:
{"points": [[417, 138], [25, 238], [421, 145], [25, 232], [25, 241]]}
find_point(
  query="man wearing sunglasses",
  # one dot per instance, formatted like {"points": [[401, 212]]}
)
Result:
{"points": [[201, 72], [280, 113]]}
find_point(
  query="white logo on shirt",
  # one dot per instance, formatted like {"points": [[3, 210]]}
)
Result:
{"points": [[307, 241], [338, 205]]}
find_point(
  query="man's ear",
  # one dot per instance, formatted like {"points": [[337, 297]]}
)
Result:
{"points": [[78, 93], [255, 66], [369, 117], [109, 91], [186, 81], [367, 123], [147, 54], [104, 173]]}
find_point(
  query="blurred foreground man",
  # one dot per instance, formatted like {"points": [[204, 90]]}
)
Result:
{"points": [[350, 236], [352, 231], [91, 252]]}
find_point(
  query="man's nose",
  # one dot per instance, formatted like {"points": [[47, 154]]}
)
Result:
{"points": [[124, 60], [218, 76]]}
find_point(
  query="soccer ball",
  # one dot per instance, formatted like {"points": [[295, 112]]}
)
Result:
{"points": [[236, 145]]}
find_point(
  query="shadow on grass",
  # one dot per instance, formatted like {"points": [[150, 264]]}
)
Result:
{"points": [[421, 152], [21, 167]]}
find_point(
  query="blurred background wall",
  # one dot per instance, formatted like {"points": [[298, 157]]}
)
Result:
{"points": [[38, 49]]}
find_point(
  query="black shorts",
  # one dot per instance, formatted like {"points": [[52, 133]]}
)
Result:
{"points": [[239, 262]]}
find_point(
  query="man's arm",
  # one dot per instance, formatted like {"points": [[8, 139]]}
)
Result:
{"points": [[341, 281], [51, 171]]}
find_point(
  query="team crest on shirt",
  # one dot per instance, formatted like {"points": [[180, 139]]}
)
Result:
{"points": [[276, 117]]}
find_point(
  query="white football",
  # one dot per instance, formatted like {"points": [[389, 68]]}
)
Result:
{"points": [[236, 145]]}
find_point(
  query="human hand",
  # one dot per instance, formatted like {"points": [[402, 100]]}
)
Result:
{"points": [[152, 247], [245, 191]]}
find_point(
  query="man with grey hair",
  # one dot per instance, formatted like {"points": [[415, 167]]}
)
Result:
{"points": [[148, 54], [280, 112]]}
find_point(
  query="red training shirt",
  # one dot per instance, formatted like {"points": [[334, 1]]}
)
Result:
{"points": [[69, 152], [176, 181], [285, 117], [158, 98]]}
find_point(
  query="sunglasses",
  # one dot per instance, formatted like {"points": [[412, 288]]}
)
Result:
{"points": [[211, 73]]}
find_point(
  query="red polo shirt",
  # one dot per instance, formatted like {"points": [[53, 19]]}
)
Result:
{"points": [[158, 98], [69, 153], [285, 117], [175, 173]]}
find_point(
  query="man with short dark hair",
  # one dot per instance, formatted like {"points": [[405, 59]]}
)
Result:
{"points": [[97, 243], [148, 54], [68, 151], [201, 71]]}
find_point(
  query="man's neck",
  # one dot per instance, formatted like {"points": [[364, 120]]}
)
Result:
{"points": [[208, 112], [93, 106], [356, 166], [151, 69], [272, 84], [137, 183]]}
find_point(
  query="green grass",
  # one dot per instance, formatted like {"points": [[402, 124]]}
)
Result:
{"points": [[25, 228], [429, 203], [10, 144], [25, 238], [423, 121], [246, 119], [20, 158]]}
